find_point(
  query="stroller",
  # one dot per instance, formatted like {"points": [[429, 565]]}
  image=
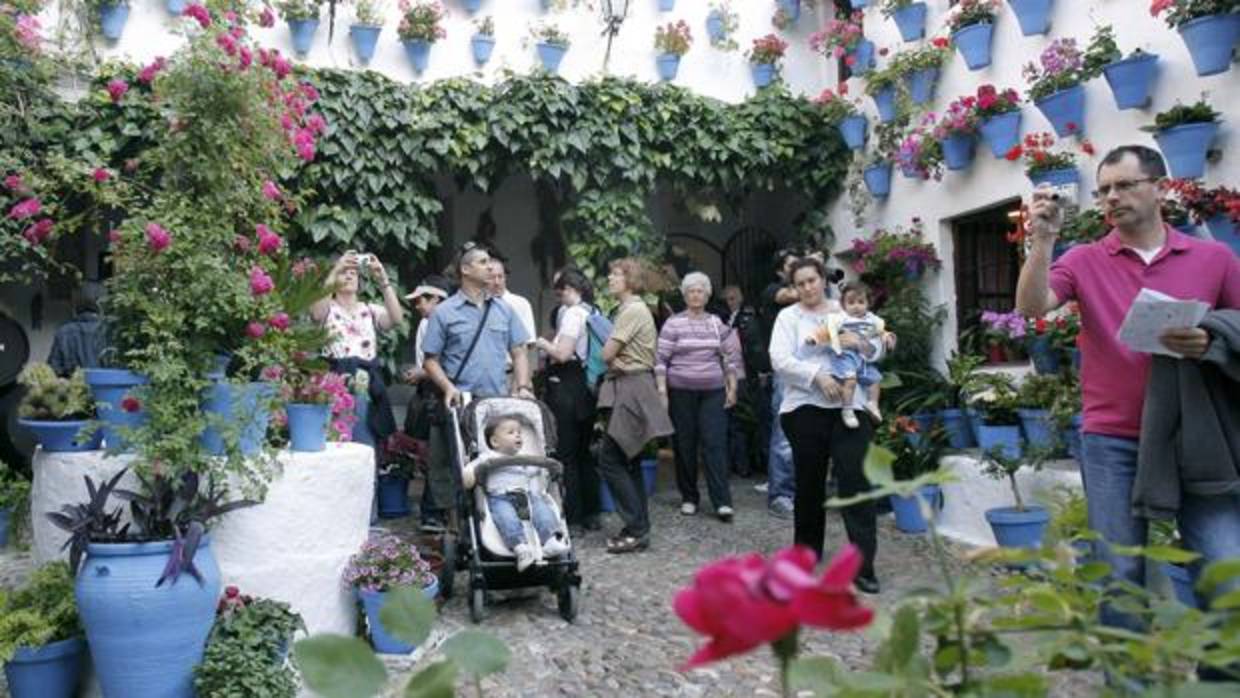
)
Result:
{"points": [[479, 547]]}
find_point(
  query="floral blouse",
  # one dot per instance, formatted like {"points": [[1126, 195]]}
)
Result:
{"points": [[354, 333]]}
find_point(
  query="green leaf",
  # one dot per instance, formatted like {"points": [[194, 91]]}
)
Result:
{"points": [[1217, 573], [878, 465], [435, 681], [335, 666], [902, 643], [817, 674], [407, 614], [477, 653]]}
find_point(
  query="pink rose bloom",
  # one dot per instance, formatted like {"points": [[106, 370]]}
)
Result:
{"points": [[244, 58], [280, 66], [279, 321], [148, 73], [266, 18], [227, 42], [117, 89], [37, 233], [271, 191], [268, 242], [260, 283], [13, 183], [241, 243], [255, 329], [157, 238], [304, 142], [199, 13], [306, 152], [27, 30], [25, 209], [101, 175]]}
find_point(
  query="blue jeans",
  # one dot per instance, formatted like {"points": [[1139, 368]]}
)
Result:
{"points": [[504, 514], [1209, 526], [780, 481]]}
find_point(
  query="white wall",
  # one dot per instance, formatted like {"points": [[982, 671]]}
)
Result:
{"points": [[990, 181]]}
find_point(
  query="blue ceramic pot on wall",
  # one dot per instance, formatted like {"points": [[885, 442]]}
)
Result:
{"points": [[1065, 110], [418, 51], [668, 64], [885, 102], [238, 407], [112, 19], [921, 84], [302, 32], [714, 26], [1002, 132], [364, 38], [852, 129], [1185, 147], [1210, 41], [763, 74], [973, 43], [1132, 80], [1063, 175], [110, 387], [483, 46], [958, 150], [380, 639], [911, 21], [307, 426], [551, 55], [878, 180], [1224, 230], [1033, 16], [62, 437], [863, 57]]}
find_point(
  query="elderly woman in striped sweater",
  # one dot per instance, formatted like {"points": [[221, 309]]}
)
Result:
{"points": [[697, 367]]}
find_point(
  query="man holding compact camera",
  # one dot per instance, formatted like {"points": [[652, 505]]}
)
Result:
{"points": [[1140, 251]]}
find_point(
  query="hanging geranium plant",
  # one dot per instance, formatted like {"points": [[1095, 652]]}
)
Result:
{"points": [[421, 21], [839, 37], [920, 155]]}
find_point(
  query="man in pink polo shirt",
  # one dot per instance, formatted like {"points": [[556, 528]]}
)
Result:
{"points": [[1104, 277]]}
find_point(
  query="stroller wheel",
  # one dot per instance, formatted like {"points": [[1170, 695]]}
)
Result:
{"points": [[477, 604], [568, 600]]}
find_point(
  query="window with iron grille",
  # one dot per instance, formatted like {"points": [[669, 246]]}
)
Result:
{"points": [[987, 264]]}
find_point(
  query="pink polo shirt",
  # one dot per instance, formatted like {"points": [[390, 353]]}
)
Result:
{"points": [[1104, 277]]}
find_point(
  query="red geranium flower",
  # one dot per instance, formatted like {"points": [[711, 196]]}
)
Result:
{"points": [[1014, 154], [131, 404]]}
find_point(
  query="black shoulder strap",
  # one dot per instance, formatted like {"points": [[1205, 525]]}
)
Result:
{"points": [[473, 342]]}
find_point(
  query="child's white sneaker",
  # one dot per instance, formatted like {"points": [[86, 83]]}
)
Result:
{"points": [[872, 408], [525, 556], [555, 546], [850, 418]]}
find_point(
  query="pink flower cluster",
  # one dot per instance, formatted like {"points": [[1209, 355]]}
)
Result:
{"points": [[838, 37], [960, 118], [267, 18], [198, 13], [27, 30], [147, 74], [268, 242], [25, 209], [38, 232], [387, 562], [260, 282], [157, 238], [117, 89]]}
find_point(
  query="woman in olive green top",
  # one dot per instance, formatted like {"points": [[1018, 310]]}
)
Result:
{"points": [[636, 414]]}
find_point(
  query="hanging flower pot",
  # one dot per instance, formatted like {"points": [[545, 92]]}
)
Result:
{"points": [[1065, 110], [471, 6], [859, 4], [763, 73], [551, 55], [1034, 16], [973, 42], [1063, 175], [302, 32], [1014, 528], [1132, 79], [380, 639], [62, 437], [364, 37], [791, 8], [418, 51], [175, 7], [117, 403], [956, 425], [1185, 147], [50, 671], [307, 426], [1002, 132], [667, 5], [483, 45], [921, 84], [958, 150], [714, 26], [393, 496], [908, 510], [852, 129], [1223, 229], [1038, 427], [878, 180], [1005, 436], [112, 19], [668, 64], [1210, 41], [885, 101], [911, 21], [863, 57]]}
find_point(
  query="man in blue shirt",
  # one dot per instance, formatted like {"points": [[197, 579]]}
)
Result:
{"points": [[454, 368]]}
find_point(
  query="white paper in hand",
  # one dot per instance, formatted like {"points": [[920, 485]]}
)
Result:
{"points": [[1151, 314]]}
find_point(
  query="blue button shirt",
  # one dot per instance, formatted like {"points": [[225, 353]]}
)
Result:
{"points": [[452, 327]]}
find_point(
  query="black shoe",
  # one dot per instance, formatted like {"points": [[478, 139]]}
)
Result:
{"points": [[592, 523], [866, 585]]}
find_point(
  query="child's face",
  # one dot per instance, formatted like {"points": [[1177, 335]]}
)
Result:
{"points": [[507, 437], [856, 304]]}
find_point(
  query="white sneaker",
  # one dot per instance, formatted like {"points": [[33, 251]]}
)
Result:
{"points": [[761, 487], [850, 418], [555, 546], [688, 509], [724, 513], [525, 556], [872, 408]]}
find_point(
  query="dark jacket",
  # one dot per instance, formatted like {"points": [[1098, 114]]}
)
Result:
{"points": [[1190, 424], [78, 344], [637, 412]]}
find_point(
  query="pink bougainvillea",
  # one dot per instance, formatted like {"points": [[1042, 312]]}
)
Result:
{"points": [[27, 30]]}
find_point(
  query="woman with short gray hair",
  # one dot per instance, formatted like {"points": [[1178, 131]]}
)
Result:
{"points": [[697, 366]]}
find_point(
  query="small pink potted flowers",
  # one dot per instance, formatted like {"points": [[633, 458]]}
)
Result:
{"points": [[421, 25], [671, 41], [956, 132]]}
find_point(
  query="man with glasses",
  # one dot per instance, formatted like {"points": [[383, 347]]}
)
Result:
{"points": [[468, 341], [1140, 251]]}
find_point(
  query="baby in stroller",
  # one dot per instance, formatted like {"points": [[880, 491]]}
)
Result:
{"points": [[517, 492]]}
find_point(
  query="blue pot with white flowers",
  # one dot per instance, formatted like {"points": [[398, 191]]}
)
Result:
{"points": [[550, 55], [1185, 148], [885, 102], [1002, 436], [852, 129], [1211, 40], [973, 43], [112, 19], [1033, 16], [302, 32], [1038, 427], [921, 84], [1065, 110], [1132, 79], [878, 180], [763, 73], [364, 38], [715, 26], [1001, 132], [418, 51], [483, 45], [958, 150], [668, 64], [911, 21]]}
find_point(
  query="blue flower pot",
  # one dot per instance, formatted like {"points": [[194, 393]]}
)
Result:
{"points": [[176, 7], [471, 6], [852, 129], [62, 437], [667, 5], [1210, 41], [921, 84], [1063, 175], [908, 512], [1132, 80], [393, 493], [957, 428], [792, 8], [483, 45], [863, 57], [973, 42], [885, 101], [551, 55], [1018, 529], [364, 38], [362, 433], [112, 19], [911, 21], [1034, 16], [144, 639], [238, 408], [1065, 110], [878, 180], [668, 64], [1072, 437], [1042, 354], [1223, 229], [307, 426], [1038, 427], [51, 671], [974, 420], [763, 73], [109, 387], [858, 4], [958, 150], [1184, 148], [1002, 132], [418, 51], [1182, 582], [714, 26], [372, 604], [302, 32], [1004, 436]]}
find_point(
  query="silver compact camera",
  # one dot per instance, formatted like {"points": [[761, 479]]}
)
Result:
{"points": [[364, 260]]}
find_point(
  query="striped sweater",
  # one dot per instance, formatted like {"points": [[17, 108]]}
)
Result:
{"points": [[690, 351]]}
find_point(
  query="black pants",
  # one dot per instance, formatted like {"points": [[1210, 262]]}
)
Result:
{"points": [[572, 405], [818, 437], [700, 420], [628, 487]]}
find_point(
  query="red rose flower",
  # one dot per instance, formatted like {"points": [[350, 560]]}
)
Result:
{"points": [[1039, 326], [131, 404]]}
